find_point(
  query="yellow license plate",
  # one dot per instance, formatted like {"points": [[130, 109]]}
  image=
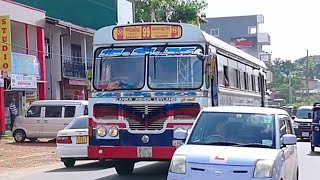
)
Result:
{"points": [[81, 139]]}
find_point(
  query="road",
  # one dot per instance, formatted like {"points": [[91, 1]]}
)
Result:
{"points": [[309, 165]]}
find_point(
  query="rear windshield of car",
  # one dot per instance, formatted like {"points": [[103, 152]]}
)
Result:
{"points": [[78, 123], [304, 113]]}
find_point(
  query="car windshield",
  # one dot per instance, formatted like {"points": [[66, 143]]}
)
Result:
{"points": [[118, 68], [175, 68], [304, 113], [78, 123], [219, 128]]}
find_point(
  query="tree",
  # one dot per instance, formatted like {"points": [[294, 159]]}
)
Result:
{"points": [[173, 10]]}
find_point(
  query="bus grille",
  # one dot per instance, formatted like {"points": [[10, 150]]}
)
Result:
{"points": [[145, 117]]}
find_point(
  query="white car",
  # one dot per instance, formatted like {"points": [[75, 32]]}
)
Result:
{"points": [[72, 142], [237, 143]]}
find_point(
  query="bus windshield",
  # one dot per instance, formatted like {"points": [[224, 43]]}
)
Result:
{"points": [[118, 71], [175, 71]]}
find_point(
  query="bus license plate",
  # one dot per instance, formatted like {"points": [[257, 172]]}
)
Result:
{"points": [[144, 152], [81, 140], [305, 134], [177, 143]]}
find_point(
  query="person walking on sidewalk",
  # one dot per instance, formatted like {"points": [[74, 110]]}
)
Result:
{"points": [[13, 112]]}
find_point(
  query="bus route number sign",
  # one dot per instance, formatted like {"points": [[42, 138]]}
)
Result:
{"points": [[145, 32]]}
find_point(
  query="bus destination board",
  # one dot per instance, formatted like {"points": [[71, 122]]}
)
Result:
{"points": [[146, 32]]}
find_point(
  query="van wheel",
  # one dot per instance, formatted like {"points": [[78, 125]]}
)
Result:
{"points": [[33, 139], [19, 136], [69, 162], [124, 167], [312, 148]]}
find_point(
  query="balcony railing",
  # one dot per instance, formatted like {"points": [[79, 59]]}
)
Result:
{"points": [[74, 69]]}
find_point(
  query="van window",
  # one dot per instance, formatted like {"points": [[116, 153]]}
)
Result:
{"points": [[85, 110], [53, 111], [69, 111], [34, 111]]}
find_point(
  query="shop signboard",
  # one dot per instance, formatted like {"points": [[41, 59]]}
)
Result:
{"points": [[25, 64], [5, 46], [23, 82]]}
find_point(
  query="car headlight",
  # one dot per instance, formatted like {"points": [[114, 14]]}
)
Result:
{"points": [[178, 164], [295, 124], [263, 169], [113, 131], [102, 131]]}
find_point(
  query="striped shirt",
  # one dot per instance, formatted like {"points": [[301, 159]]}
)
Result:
{"points": [[13, 109]]}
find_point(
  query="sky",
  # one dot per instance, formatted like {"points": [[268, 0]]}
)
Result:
{"points": [[293, 26]]}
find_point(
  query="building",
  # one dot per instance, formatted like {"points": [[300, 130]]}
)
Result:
{"points": [[69, 32], [23, 78], [242, 32]]}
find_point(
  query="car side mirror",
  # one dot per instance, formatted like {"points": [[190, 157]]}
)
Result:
{"points": [[289, 139], [180, 134]]}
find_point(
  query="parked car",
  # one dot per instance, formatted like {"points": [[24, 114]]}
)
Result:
{"points": [[237, 143], [72, 142], [302, 122], [45, 118]]}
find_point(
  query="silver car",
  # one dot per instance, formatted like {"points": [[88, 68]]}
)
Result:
{"points": [[237, 143]]}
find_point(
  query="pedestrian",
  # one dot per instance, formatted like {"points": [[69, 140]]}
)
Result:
{"points": [[13, 112]]}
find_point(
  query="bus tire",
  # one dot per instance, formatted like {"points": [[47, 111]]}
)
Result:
{"points": [[124, 167]]}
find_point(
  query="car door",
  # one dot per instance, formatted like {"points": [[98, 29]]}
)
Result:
{"points": [[53, 120], [32, 122], [287, 150], [292, 148]]}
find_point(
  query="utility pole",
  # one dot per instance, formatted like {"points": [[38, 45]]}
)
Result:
{"points": [[290, 90], [153, 15], [308, 95]]}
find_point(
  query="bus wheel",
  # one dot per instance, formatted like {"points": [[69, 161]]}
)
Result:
{"points": [[124, 167]]}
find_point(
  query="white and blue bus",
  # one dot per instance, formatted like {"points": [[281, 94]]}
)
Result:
{"points": [[154, 77]]}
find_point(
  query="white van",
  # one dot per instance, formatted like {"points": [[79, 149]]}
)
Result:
{"points": [[45, 118]]}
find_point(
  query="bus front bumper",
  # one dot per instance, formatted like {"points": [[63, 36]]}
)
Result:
{"points": [[132, 152]]}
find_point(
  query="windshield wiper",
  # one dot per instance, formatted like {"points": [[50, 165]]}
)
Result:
{"points": [[219, 143], [253, 145], [156, 59]]}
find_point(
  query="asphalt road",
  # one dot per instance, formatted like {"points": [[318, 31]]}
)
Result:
{"points": [[309, 167]]}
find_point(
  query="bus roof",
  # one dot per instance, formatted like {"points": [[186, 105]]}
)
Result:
{"points": [[190, 34]]}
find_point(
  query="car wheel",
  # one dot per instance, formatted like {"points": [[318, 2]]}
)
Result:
{"points": [[69, 163], [124, 167], [19, 136]]}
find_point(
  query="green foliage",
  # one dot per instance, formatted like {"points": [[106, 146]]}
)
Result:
{"points": [[185, 10], [298, 71]]}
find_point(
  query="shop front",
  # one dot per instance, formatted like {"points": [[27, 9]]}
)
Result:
{"points": [[21, 84], [75, 89]]}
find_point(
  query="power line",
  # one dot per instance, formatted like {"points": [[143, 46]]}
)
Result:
{"points": [[46, 53]]}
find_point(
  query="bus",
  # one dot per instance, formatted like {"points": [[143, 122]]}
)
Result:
{"points": [[151, 78]]}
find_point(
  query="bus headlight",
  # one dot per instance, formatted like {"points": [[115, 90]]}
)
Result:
{"points": [[102, 131], [113, 131], [263, 169]]}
